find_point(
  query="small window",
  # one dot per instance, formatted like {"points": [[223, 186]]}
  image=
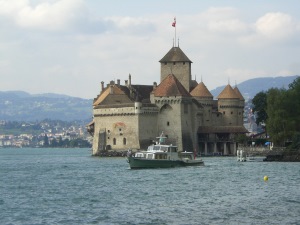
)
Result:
{"points": [[183, 63], [107, 137], [231, 113], [120, 129], [124, 141], [168, 123], [165, 63], [114, 141], [108, 131], [174, 63], [224, 112]]}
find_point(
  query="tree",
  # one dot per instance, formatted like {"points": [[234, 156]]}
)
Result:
{"points": [[46, 141], [260, 106]]}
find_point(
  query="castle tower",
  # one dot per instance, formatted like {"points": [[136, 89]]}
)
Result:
{"points": [[177, 63], [205, 98], [228, 105], [241, 106], [176, 113]]}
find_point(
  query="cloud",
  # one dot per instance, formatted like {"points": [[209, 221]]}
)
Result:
{"points": [[275, 26], [43, 16], [271, 28]]}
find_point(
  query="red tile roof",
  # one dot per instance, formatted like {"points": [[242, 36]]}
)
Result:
{"points": [[201, 91], [170, 86], [238, 93], [228, 92]]}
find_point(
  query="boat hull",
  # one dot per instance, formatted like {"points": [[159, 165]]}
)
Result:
{"points": [[142, 163]]}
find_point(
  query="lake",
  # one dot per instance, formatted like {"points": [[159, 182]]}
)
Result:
{"points": [[69, 186]]}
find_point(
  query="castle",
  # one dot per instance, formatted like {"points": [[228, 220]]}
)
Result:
{"points": [[132, 116]]}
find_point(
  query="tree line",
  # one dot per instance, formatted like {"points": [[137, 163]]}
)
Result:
{"points": [[279, 110], [66, 143]]}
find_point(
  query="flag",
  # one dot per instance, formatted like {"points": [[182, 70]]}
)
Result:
{"points": [[174, 22]]}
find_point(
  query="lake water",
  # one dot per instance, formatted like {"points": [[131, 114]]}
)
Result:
{"points": [[68, 186]]}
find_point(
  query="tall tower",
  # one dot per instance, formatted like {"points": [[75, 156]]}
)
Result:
{"points": [[177, 63]]}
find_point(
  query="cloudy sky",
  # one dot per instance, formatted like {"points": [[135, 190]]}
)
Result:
{"points": [[70, 46]]}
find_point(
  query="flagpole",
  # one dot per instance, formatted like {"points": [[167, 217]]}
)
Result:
{"points": [[175, 35], [174, 25]]}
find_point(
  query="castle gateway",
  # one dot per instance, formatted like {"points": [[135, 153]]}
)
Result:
{"points": [[132, 116]]}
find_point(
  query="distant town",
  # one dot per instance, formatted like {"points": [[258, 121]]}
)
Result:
{"points": [[71, 134], [46, 133]]}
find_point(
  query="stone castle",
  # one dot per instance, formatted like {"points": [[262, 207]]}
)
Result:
{"points": [[132, 116]]}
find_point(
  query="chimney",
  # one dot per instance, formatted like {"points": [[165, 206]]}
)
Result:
{"points": [[154, 85], [129, 84], [102, 86], [111, 87], [126, 82]]}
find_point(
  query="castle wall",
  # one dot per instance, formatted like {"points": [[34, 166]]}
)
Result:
{"points": [[124, 127], [177, 120], [230, 108]]}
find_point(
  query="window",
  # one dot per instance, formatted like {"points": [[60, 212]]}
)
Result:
{"points": [[168, 123], [124, 141], [114, 141], [183, 63], [174, 63], [231, 113], [224, 112], [165, 63]]}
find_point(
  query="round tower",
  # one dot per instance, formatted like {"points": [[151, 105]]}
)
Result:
{"points": [[228, 105], [205, 98]]}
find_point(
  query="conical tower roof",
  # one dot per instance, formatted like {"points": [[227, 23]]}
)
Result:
{"points": [[238, 93], [170, 86], [175, 55], [228, 93], [201, 91]]}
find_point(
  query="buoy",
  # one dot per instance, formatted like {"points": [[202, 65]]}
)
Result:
{"points": [[266, 178]]}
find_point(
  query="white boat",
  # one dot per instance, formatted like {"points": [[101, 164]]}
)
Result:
{"points": [[162, 156]]}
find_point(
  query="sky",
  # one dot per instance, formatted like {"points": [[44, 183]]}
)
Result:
{"points": [[70, 46]]}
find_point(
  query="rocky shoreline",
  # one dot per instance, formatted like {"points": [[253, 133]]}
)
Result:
{"points": [[283, 157]]}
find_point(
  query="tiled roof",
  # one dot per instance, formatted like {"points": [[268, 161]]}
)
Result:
{"points": [[116, 92], [175, 55], [228, 92], [143, 91], [201, 91], [238, 93], [170, 86], [222, 129]]}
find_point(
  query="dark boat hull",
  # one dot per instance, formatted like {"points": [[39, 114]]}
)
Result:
{"points": [[142, 163]]}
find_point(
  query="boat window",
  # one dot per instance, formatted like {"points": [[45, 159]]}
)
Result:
{"points": [[156, 148], [164, 148], [149, 156], [173, 149]]}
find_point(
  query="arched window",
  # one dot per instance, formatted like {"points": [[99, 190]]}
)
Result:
{"points": [[114, 141], [124, 141]]}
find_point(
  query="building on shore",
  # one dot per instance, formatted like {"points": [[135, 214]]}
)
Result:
{"points": [[132, 116]]}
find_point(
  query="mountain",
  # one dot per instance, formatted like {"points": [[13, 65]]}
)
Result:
{"points": [[250, 88], [22, 106]]}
